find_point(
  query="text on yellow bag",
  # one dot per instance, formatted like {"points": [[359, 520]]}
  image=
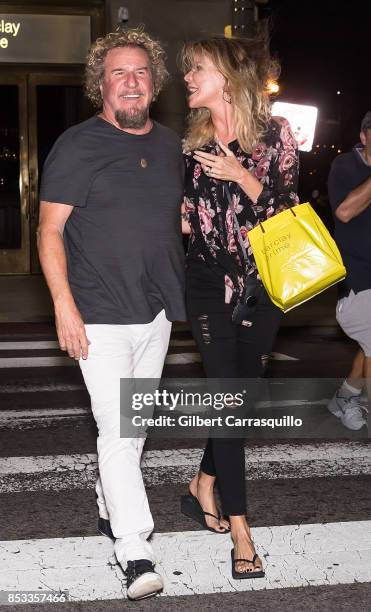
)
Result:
{"points": [[296, 256]]}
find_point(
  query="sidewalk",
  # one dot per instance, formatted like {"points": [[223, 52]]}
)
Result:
{"points": [[25, 298]]}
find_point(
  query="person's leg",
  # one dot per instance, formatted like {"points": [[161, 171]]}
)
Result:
{"points": [[367, 378], [344, 402], [111, 358], [207, 465], [355, 377], [353, 314], [215, 338], [101, 502], [253, 343], [256, 342], [150, 344], [224, 455]]}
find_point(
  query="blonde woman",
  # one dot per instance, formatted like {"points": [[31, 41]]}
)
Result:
{"points": [[232, 143]]}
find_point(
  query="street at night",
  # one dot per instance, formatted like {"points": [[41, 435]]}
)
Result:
{"points": [[308, 499], [144, 145]]}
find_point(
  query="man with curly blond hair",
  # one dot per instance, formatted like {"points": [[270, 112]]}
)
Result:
{"points": [[111, 250]]}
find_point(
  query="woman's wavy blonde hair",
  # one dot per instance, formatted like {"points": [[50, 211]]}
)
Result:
{"points": [[247, 67], [135, 37]]}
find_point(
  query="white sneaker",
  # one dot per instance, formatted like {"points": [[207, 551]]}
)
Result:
{"points": [[349, 410], [142, 580]]}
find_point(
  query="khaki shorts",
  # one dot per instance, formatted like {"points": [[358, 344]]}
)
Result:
{"points": [[353, 313]]}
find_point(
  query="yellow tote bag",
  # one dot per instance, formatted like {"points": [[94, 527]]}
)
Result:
{"points": [[295, 255]]}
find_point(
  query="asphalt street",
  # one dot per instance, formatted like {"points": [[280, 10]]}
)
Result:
{"points": [[308, 499]]}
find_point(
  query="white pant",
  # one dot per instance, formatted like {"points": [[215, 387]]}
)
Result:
{"points": [[122, 351]]}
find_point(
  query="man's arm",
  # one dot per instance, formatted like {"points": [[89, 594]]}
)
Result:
{"points": [[356, 202], [70, 326]]}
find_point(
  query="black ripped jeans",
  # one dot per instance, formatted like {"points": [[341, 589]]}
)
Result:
{"points": [[231, 351]]}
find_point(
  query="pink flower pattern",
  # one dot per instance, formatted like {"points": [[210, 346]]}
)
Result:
{"points": [[259, 151], [206, 214]]}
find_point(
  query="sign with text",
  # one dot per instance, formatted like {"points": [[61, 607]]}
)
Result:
{"points": [[39, 39]]}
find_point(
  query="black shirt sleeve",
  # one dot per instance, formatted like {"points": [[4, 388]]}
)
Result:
{"points": [[339, 184], [66, 179]]}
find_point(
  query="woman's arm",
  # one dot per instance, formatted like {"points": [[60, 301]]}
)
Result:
{"points": [[282, 192], [250, 185]]}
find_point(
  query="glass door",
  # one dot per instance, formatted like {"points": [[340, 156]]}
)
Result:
{"points": [[56, 102], [35, 109], [14, 177]]}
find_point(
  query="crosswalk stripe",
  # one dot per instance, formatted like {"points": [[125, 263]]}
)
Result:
{"points": [[19, 418], [61, 360], [182, 358], [52, 344], [15, 419], [340, 451], [193, 562], [32, 387], [61, 472], [189, 342], [282, 357], [36, 362], [28, 345]]}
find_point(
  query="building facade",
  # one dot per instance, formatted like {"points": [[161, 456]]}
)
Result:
{"points": [[43, 47]]}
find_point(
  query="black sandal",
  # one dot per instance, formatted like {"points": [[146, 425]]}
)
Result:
{"points": [[250, 573], [191, 507]]}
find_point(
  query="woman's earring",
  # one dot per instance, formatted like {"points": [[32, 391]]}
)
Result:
{"points": [[227, 97]]}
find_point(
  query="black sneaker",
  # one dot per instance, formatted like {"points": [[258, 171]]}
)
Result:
{"points": [[104, 526], [141, 579]]}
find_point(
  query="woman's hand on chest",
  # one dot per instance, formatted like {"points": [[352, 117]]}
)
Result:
{"points": [[225, 166]]}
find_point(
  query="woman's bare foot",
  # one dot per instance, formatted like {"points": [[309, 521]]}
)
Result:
{"points": [[243, 546], [202, 487]]}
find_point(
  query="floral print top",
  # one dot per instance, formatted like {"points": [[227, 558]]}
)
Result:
{"points": [[213, 240]]}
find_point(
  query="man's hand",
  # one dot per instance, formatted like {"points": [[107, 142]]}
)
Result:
{"points": [[71, 330]]}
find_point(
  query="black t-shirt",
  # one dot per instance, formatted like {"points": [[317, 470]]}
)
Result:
{"points": [[347, 172], [123, 238]]}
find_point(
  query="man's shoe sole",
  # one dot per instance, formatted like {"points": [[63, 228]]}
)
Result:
{"points": [[147, 585]]}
